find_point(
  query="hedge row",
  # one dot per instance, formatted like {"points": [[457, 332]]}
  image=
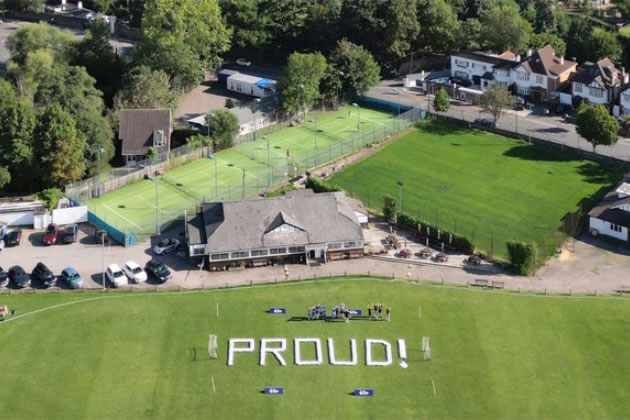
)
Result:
{"points": [[319, 185], [459, 243]]}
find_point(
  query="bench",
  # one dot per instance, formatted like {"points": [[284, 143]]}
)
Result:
{"points": [[498, 285], [481, 283]]}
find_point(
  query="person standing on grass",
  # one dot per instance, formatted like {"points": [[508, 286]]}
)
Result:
{"points": [[388, 311], [370, 310]]}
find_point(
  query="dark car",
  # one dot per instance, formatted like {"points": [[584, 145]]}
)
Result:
{"points": [[42, 274], [14, 237], [70, 234], [486, 122], [18, 277], [3, 277], [159, 271], [71, 278], [562, 109], [519, 104], [100, 236], [50, 236]]}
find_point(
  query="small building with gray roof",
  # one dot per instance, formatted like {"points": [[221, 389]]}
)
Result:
{"points": [[142, 129], [611, 217], [297, 227]]}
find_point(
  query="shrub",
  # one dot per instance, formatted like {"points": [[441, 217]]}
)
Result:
{"points": [[229, 103], [389, 208], [50, 197], [319, 185], [522, 257]]}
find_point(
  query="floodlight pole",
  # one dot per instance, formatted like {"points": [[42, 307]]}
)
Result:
{"points": [[314, 121], [268, 160], [354, 104], [400, 205]]}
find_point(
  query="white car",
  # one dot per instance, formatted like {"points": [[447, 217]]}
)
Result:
{"points": [[135, 273], [243, 62], [115, 275], [166, 246]]}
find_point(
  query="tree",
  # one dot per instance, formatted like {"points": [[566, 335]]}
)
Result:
{"points": [[440, 27], [32, 37], [5, 177], [389, 208], [50, 197], [145, 88], [441, 103], [59, 148], [538, 41], [604, 44], [299, 85], [223, 126], [623, 6], [496, 99], [331, 85], [25, 5], [198, 141], [503, 28], [247, 23], [322, 25], [195, 25], [153, 155], [596, 125], [545, 19], [578, 38], [95, 53], [469, 34], [359, 71], [284, 21]]}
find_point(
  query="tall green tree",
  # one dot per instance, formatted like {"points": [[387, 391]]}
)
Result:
{"points": [[538, 41], [578, 38], [331, 85], [299, 85], [440, 27], [248, 23], [39, 36], [623, 6], [25, 5], [358, 68], [441, 103], [285, 21], [323, 24], [146, 88], [496, 99], [5, 177], [470, 34], [545, 20], [604, 44], [595, 124], [503, 28], [59, 148], [223, 126]]}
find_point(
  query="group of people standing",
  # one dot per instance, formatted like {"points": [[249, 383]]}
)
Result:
{"points": [[319, 311], [375, 310], [316, 312]]}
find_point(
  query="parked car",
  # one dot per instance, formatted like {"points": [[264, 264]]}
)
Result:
{"points": [[519, 104], [243, 62], [159, 271], [100, 236], [50, 236], [42, 274], [115, 275], [18, 277], [14, 237], [135, 273], [562, 109], [486, 122], [4, 277], [70, 234], [71, 278], [166, 246]]}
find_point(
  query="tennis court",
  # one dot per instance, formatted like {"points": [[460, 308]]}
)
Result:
{"points": [[243, 171]]}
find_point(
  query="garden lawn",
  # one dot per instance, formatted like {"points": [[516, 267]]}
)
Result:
{"points": [[495, 355], [486, 187]]}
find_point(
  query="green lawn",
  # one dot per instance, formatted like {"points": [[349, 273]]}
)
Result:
{"points": [[495, 355], [133, 208], [480, 185]]}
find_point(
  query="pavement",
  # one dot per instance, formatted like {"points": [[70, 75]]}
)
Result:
{"points": [[554, 128]]}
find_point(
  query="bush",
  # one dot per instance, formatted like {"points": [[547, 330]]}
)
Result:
{"points": [[229, 103], [319, 185], [522, 257], [389, 208], [50, 197], [459, 243]]}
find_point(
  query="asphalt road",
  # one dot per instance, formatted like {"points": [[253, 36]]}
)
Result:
{"points": [[552, 127]]}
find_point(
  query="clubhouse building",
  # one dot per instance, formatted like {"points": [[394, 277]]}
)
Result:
{"points": [[297, 227]]}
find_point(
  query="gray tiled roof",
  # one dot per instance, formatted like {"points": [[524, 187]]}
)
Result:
{"points": [[248, 224], [136, 129], [608, 210]]}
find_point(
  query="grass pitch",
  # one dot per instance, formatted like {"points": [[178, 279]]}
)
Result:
{"points": [[133, 207], [495, 355], [480, 185]]}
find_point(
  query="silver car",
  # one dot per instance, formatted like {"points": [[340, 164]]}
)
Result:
{"points": [[166, 246]]}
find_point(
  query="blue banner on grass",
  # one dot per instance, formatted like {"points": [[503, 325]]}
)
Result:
{"points": [[277, 310], [274, 390], [363, 392], [356, 312]]}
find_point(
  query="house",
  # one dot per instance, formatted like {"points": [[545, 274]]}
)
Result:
{"points": [[597, 83], [141, 129], [297, 227], [541, 74], [624, 99], [251, 85], [611, 217], [480, 69]]}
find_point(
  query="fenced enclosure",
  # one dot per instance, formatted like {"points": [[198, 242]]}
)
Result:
{"points": [[143, 207]]}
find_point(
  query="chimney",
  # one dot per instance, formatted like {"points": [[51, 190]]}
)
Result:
{"points": [[529, 52], [561, 60], [80, 5], [517, 58]]}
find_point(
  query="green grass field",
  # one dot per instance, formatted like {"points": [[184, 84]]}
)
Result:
{"points": [[480, 185], [495, 355], [134, 207]]}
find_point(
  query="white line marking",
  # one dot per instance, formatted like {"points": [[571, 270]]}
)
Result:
{"points": [[434, 390], [214, 389], [217, 309], [120, 215]]}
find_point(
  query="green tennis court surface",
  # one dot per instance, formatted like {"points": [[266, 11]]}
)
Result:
{"points": [[241, 171]]}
